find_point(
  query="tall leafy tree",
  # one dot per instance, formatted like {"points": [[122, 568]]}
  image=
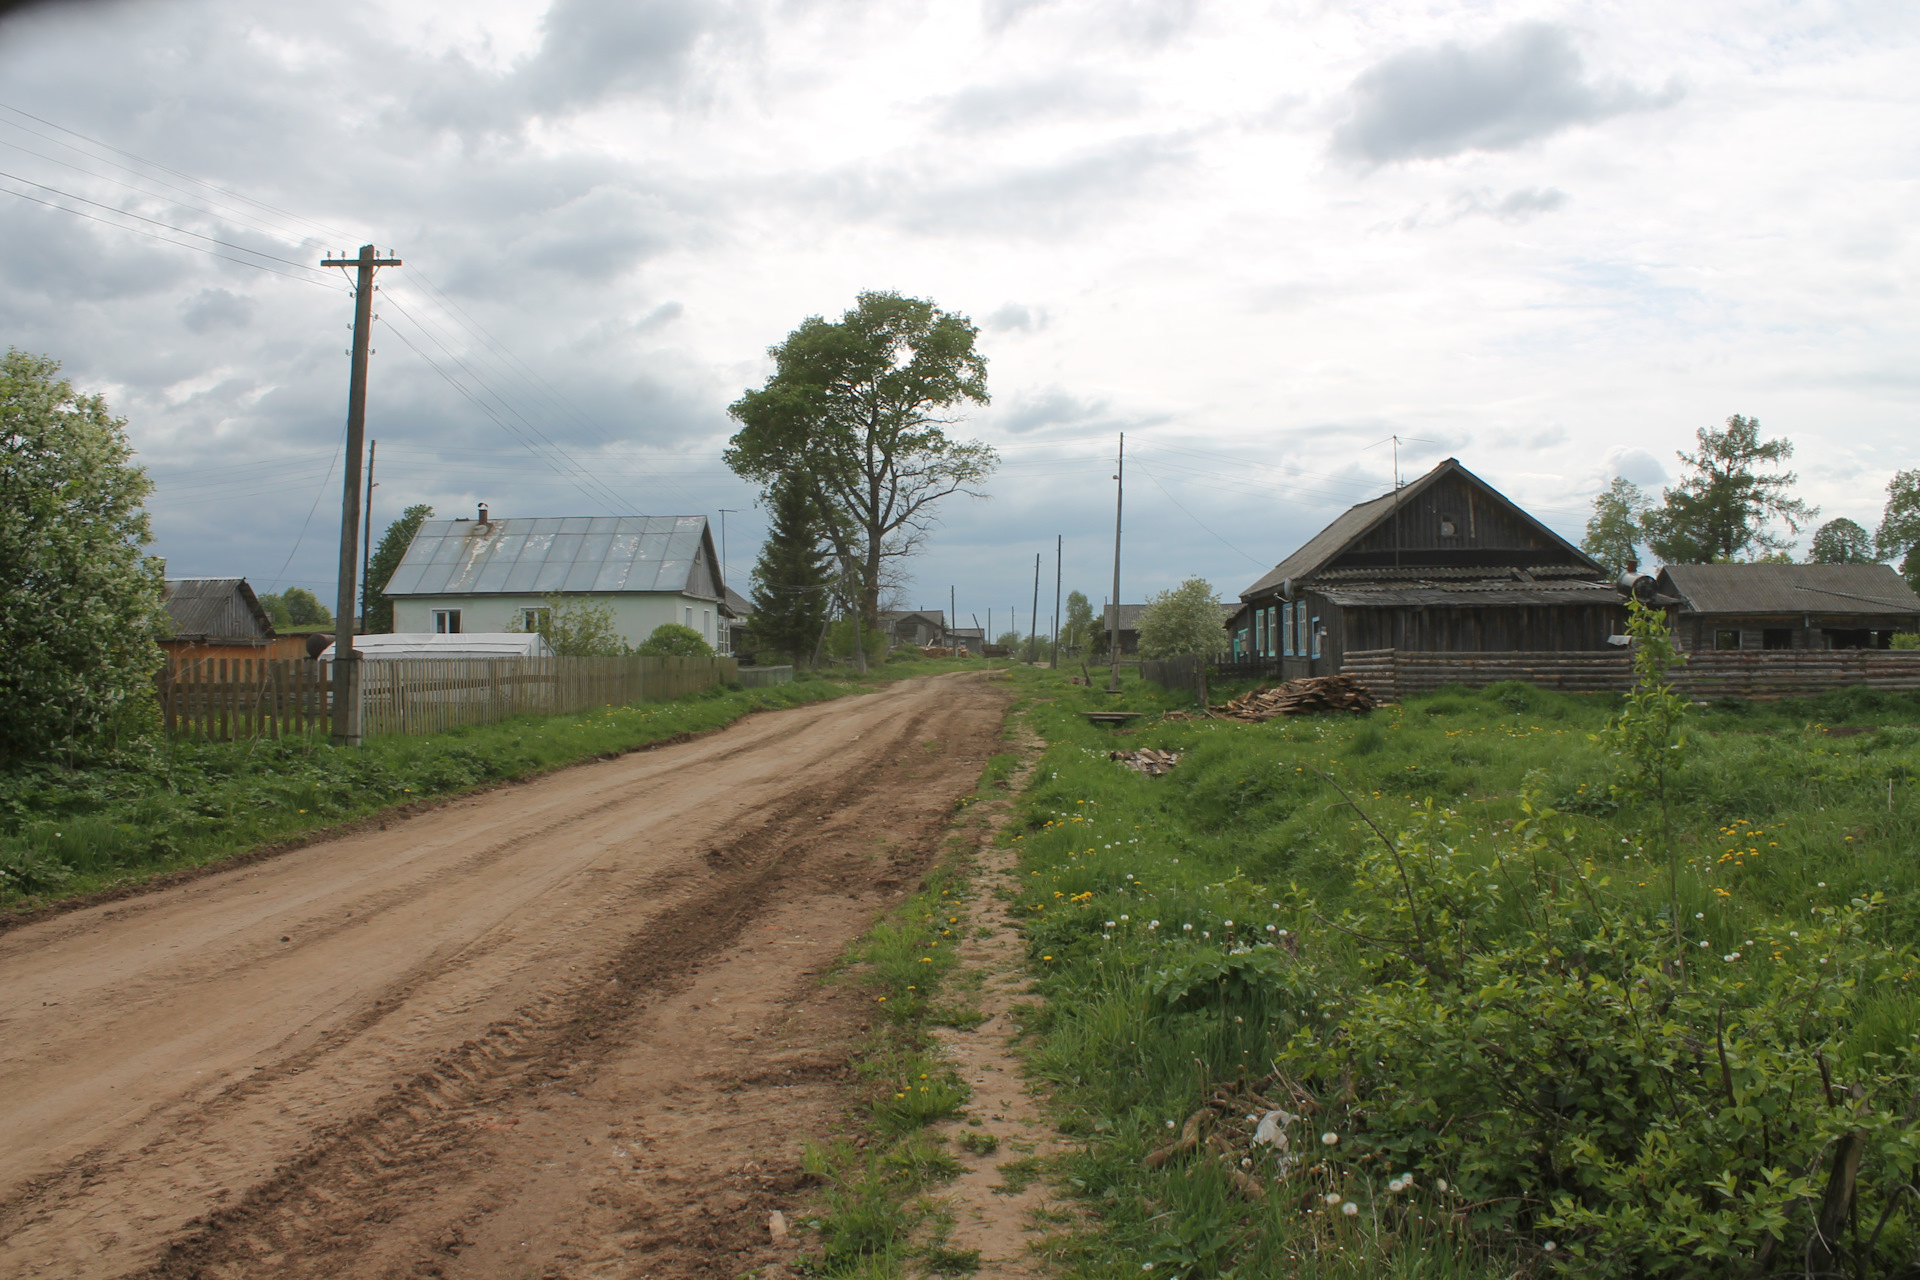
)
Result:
{"points": [[81, 604], [1078, 627], [304, 609], [790, 579], [1721, 510], [1613, 531], [1183, 620], [1899, 532], [1841, 541], [376, 609], [858, 408]]}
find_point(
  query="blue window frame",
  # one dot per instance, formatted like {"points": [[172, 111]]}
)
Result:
{"points": [[1313, 630]]}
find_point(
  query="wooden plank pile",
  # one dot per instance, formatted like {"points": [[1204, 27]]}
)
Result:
{"points": [[1310, 696], [1148, 760]]}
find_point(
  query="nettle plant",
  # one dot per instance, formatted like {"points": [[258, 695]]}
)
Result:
{"points": [[1528, 1044]]}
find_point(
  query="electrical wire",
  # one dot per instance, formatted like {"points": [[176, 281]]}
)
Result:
{"points": [[281, 576]]}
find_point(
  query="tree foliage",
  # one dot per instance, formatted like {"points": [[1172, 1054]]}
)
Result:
{"points": [[1077, 629], [576, 627], [376, 610], [1841, 541], [1614, 531], [671, 640], [1720, 511], [857, 410], [296, 607], [81, 604], [1899, 532], [790, 579], [1183, 620]]}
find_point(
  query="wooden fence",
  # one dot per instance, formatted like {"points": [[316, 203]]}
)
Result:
{"points": [[1391, 674], [239, 698]]}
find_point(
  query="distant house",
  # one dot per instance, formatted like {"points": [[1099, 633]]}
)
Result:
{"points": [[1129, 626], [494, 575], [221, 618], [1788, 606], [972, 639], [1445, 564], [740, 615], [918, 627]]}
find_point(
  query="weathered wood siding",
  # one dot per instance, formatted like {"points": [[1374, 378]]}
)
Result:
{"points": [[1392, 673], [1486, 531]]}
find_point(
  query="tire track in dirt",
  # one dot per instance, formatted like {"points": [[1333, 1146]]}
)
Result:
{"points": [[387, 1139]]}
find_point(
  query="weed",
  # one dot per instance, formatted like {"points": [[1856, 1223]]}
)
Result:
{"points": [[980, 1144]]}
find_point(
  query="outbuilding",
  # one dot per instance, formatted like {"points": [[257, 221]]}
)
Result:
{"points": [[1787, 606]]}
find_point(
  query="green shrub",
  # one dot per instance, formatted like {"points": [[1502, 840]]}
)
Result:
{"points": [[671, 640]]}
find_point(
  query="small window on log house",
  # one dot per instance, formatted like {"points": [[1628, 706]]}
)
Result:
{"points": [[1726, 640], [1449, 527], [1776, 638]]}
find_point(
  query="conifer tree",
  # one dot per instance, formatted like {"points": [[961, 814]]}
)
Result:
{"points": [[790, 578]]}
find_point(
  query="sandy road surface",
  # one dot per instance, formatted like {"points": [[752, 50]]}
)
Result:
{"points": [[566, 1029]]}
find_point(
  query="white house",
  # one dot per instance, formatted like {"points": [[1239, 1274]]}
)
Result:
{"points": [[494, 575]]}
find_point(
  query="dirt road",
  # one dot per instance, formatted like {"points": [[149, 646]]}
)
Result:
{"points": [[567, 1029]]}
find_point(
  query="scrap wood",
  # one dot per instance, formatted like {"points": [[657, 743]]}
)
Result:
{"points": [[1148, 760], [1307, 696]]}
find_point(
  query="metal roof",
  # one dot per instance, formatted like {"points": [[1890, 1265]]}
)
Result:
{"points": [[1790, 588], [1129, 617], [1356, 520], [215, 607], [577, 555], [738, 605]]}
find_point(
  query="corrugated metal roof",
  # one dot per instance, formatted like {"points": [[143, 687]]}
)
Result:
{"points": [[575, 555], [1361, 517], [739, 605], [1790, 588], [1129, 617], [215, 607]]}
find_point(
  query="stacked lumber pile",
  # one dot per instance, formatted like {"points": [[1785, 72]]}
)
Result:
{"points": [[1147, 760], [1310, 696]]}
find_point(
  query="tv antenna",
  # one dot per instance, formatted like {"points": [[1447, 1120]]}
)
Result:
{"points": [[1397, 442]]}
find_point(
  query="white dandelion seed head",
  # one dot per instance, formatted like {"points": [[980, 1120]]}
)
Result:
{"points": [[1187, 928], [1731, 956], [1333, 1197], [1549, 1246], [1440, 1185], [1229, 924], [1329, 1139], [1395, 1185], [1350, 1209], [1699, 915], [1169, 1124]]}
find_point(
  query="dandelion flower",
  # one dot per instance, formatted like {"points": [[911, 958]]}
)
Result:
{"points": [[1350, 1209], [1549, 1246], [1440, 1185], [1333, 1197], [1329, 1139]]}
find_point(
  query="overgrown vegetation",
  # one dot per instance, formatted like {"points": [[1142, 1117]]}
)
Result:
{"points": [[152, 805], [1423, 965]]}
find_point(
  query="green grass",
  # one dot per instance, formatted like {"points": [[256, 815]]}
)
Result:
{"points": [[160, 806], [1149, 904]]}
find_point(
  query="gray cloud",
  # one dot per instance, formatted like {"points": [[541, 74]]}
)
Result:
{"points": [[1526, 83], [592, 49], [1048, 407], [1638, 466], [1012, 316], [212, 309], [988, 108]]}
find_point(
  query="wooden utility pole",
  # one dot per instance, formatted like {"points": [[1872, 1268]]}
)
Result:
{"points": [[1059, 541], [1113, 630], [953, 619], [1034, 617], [346, 663], [366, 543]]}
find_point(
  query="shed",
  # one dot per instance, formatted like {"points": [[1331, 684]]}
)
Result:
{"points": [[1444, 564], [917, 627], [494, 575], [1129, 626], [1788, 606], [215, 610]]}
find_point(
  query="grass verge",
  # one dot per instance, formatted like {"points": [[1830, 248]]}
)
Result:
{"points": [[1424, 993], [163, 807], [877, 1214]]}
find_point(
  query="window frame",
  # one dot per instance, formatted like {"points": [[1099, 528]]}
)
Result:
{"points": [[446, 622]]}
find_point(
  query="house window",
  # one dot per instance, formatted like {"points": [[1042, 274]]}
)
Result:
{"points": [[1776, 638], [1259, 631], [1300, 630], [1286, 631], [1449, 527], [1726, 640], [1273, 632], [689, 619], [706, 623], [1313, 631], [536, 619], [446, 622]]}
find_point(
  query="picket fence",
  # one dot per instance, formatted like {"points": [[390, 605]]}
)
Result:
{"points": [[226, 699]]}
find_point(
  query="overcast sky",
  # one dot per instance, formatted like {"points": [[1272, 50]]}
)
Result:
{"points": [[1552, 240]]}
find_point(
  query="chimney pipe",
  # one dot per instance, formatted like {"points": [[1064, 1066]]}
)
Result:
{"points": [[483, 513]]}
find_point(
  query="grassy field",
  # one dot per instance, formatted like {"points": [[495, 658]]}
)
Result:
{"points": [[1461, 1008], [162, 806]]}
